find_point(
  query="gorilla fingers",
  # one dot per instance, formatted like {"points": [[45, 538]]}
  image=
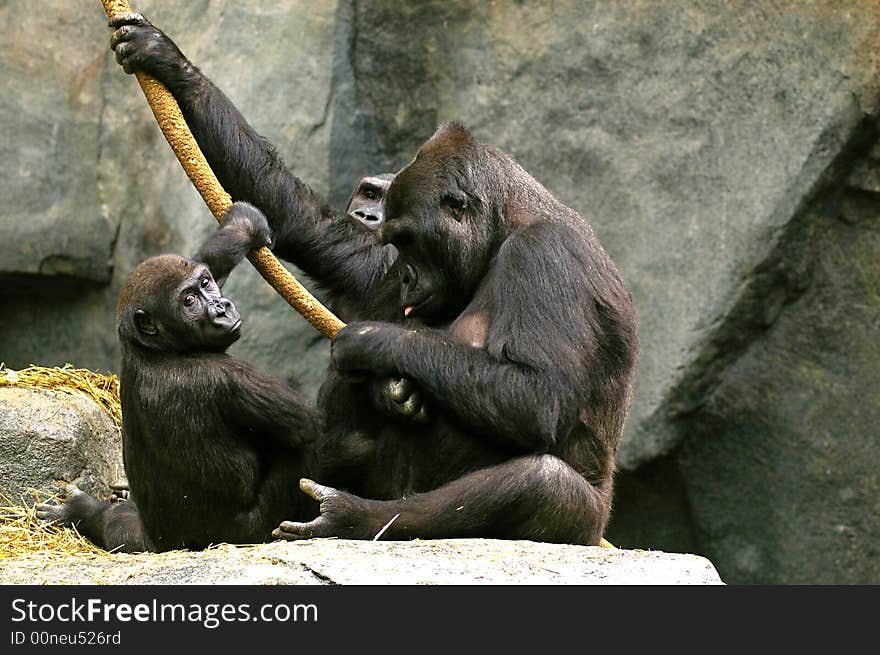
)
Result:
{"points": [[242, 229]]}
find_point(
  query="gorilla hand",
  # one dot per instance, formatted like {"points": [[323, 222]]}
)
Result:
{"points": [[243, 228], [142, 48], [367, 347], [120, 491], [249, 222]]}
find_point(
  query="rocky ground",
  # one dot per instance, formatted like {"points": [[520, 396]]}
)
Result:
{"points": [[330, 561]]}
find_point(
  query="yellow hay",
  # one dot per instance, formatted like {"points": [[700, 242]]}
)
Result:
{"points": [[22, 534], [104, 389]]}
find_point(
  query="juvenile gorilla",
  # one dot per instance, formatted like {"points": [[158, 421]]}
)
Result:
{"points": [[367, 203], [497, 306], [213, 448]]}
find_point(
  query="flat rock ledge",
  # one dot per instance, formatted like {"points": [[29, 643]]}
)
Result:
{"points": [[343, 562]]}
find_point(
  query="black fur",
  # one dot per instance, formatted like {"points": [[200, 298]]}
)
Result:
{"points": [[495, 301], [213, 448]]}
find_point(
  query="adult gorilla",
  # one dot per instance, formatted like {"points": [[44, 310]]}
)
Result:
{"points": [[497, 303]]}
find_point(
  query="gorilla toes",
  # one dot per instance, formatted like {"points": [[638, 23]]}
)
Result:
{"points": [[342, 515], [119, 491], [293, 531], [53, 513], [401, 397]]}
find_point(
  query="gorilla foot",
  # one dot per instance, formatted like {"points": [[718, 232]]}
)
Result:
{"points": [[62, 513], [343, 515]]}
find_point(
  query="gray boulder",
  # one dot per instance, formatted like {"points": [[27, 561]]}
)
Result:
{"points": [[332, 561], [778, 476], [52, 435], [782, 458]]}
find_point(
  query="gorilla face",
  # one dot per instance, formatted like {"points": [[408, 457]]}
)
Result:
{"points": [[442, 224], [208, 321], [367, 203], [172, 304]]}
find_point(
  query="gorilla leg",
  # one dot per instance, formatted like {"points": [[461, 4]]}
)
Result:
{"points": [[277, 497], [112, 527], [538, 497]]}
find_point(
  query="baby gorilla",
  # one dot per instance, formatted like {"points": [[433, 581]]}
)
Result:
{"points": [[213, 448]]}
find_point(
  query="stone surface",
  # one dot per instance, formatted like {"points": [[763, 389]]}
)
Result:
{"points": [[54, 222], [779, 474], [789, 491], [331, 561], [52, 435]]}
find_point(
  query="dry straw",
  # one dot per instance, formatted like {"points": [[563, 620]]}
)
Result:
{"points": [[21, 532], [103, 389]]}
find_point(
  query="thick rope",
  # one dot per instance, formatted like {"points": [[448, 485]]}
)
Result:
{"points": [[182, 142]]}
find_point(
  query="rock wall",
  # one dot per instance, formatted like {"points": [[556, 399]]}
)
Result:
{"points": [[722, 151]]}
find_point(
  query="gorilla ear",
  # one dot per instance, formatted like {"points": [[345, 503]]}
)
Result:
{"points": [[144, 323]]}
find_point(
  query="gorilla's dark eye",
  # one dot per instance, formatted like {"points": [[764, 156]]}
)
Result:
{"points": [[205, 282], [369, 194], [456, 206], [190, 299]]}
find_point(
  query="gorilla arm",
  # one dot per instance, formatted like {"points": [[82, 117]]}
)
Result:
{"points": [[333, 250], [528, 384], [256, 403], [505, 399]]}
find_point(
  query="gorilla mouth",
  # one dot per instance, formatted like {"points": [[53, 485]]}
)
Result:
{"points": [[227, 327], [414, 307]]}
